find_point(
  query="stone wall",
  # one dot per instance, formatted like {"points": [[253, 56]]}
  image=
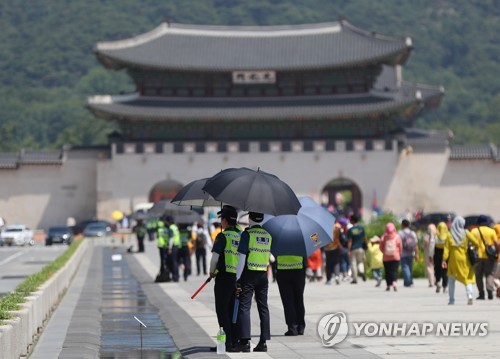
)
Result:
{"points": [[89, 184]]}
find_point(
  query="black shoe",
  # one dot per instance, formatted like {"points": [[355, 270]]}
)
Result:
{"points": [[490, 294], [242, 347], [291, 333], [213, 349], [261, 347], [481, 297], [300, 331]]}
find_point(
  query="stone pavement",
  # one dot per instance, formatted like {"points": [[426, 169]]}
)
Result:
{"points": [[192, 323]]}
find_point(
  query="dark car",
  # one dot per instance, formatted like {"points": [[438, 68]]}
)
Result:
{"points": [[471, 221], [59, 234], [80, 226], [98, 229], [434, 218]]}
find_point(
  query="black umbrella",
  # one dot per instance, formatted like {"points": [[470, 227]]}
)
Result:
{"points": [[188, 218], [250, 190], [193, 195], [165, 207], [144, 216]]}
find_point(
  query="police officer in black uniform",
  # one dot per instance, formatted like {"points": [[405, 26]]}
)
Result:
{"points": [[255, 250], [223, 267]]}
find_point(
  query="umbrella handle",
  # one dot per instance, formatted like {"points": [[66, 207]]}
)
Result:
{"points": [[201, 287]]}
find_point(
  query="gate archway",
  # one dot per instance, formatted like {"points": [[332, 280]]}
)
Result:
{"points": [[166, 189], [343, 197]]}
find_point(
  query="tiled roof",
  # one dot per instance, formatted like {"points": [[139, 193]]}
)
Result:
{"points": [[277, 108], [228, 48], [9, 160], [474, 152], [13, 160]]}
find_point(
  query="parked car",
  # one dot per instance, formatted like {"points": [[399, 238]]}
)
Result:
{"points": [[59, 234], [434, 218], [17, 234], [471, 221], [80, 226], [97, 229]]}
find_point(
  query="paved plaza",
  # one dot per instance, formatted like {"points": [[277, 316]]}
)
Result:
{"points": [[192, 323]]}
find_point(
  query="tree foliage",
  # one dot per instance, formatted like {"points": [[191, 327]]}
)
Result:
{"points": [[47, 68]]}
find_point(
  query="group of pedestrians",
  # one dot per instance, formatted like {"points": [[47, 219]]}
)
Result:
{"points": [[448, 257], [445, 250], [457, 260]]}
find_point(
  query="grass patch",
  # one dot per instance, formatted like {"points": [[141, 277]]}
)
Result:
{"points": [[12, 301]]}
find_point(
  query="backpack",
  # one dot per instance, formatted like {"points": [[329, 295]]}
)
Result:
{"points": [[409, 241], [390, 247], [184, 237], [200, 240]]}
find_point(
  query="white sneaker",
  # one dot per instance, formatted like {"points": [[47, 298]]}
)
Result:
{"points": [[469, 301]]}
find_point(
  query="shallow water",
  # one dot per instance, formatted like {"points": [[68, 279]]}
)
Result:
{"points": [[122, 299]]}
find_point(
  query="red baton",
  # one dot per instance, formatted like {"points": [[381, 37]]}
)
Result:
{"points": [[202, 286]]}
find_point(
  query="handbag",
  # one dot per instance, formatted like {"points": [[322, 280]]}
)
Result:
{"points": [[472, 254], [491, 249]]}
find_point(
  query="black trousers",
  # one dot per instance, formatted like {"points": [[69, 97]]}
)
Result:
{"points": [[439, 271], [185, 258], [163, 259], [254, 282], [291, 284], [201, 260], [140, 244], [224, 291], [173, 263], [332, 263], [484, 269], [391, 272]]}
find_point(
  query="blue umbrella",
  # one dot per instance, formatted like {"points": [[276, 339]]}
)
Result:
{"points": [[301, 234]]}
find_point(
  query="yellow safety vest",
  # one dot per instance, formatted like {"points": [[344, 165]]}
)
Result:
{"points": [[259, 248], [231, 254], [162, 236], [176, 238], [289, 262]]}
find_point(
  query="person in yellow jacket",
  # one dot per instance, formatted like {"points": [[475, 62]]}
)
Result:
{"points": [[375, 259], [485, 266], [496, 271], [443, 235], [456, 261]]}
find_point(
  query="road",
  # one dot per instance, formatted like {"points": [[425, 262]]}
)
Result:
{"points": [[17, 263]]}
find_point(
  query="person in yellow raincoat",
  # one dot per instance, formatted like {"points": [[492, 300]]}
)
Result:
{"points": [[456, 260], [496, 272]]}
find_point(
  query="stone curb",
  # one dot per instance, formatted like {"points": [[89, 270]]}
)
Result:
{"points": [[19, 334]]}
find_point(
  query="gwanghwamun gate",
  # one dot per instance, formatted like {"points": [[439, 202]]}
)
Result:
{"points": [[322, 106]]}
